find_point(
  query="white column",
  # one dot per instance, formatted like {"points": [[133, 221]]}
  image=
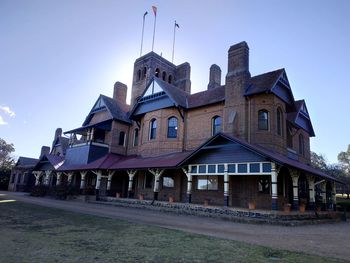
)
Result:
{"points": [[295, 178], [70, 177], [157, 174], [58, 178], [226, 185], [98, 179], [274, 193], [189, 183], [47, 177], [334, 195], [131, 174], [324, 194], [109, 181], [82, 181], [37, 175], [311, 182]]}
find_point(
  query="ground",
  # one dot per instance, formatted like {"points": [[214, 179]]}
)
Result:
{"points": [[39, 234]]}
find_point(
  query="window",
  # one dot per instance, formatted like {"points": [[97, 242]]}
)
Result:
{"points": [[263, 120], [216, 125], [144, 72], [168, 182], [139, 75], [136, 137], [121, 138], [157, 72], [148, 180], [164, 76], [301, 144], [279, 122], [289, 136], [207, 182], [172, 127], [170, 79], [264, 186], [153, 129]]}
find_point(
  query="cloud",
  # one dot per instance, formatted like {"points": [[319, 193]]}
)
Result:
{"points": [[2, 122], [8, 111]]}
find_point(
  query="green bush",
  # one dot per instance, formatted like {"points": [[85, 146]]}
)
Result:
{"points": [[62, 191], [39, 190]]}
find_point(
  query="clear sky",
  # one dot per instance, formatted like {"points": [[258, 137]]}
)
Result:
{"points": [[56, 57]]}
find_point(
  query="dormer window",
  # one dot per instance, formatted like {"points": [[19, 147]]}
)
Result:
{"points": [[172, 127], [279, 120], [263, 120], [153, 129], [216, 125]]}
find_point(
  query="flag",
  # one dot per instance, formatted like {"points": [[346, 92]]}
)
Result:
{"points": [[145, 14], [177, 25], [154, 8]]}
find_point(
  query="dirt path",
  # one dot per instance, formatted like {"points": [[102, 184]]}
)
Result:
{"points": [[331, 240]]}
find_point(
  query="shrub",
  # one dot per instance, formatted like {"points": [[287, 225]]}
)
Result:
{"points": [[39, 190]]}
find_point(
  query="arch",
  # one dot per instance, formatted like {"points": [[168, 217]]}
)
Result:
{"points": [[153, 129], [279, 120], [136, 137], [164, 76], [172, 127], [144, 72], [216, 125], [139, 75], [170, 79], [301, 145], [157, 72], [263, 120], [121, 138]]}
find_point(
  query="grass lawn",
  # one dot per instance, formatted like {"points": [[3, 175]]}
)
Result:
{"points": [[30, 233]]}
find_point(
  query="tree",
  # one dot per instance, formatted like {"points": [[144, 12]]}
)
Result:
{"points": [[319, 161], [6, 163], [344, 161]]}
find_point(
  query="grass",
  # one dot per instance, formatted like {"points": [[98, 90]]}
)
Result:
{"points": [[30, 233]]}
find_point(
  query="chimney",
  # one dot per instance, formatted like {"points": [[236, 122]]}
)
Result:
{"points": [[214, 77], [58, 133], [183, 77], [119, 93], [44, 150], [238, 59]]}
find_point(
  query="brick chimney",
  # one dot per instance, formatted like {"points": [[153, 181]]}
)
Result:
{"points": [[214, 77], [183, 77], [237, 80], [120, 91]]}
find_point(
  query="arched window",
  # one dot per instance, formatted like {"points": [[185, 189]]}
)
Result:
{"points": [[263, 120], [301, 144], [157, 72], [216, 125], [170, 79], [121, 138], [164, 76], [139, 75], [279, 119], [144, 72], [172, 127], [136, 137], [153, 129]]}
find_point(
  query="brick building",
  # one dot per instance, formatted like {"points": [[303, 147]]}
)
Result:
{"points": [[244, 141]]}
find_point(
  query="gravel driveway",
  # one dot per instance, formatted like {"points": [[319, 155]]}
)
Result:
{"points": [[332, 240]]}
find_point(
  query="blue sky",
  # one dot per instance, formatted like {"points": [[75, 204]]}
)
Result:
{"points": [[56, 57]]}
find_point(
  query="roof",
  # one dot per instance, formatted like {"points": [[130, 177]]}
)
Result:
{"points": [[177, 95], [26, 162], [274, 156], [263, 83], [54, 160], [206, 97], [300, 119], [119, 111]]}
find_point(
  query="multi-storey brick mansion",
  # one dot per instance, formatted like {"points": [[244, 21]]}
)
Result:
{"points": [[247, 140]]}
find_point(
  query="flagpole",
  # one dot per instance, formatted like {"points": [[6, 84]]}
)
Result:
{"points": [[172, 58], [143, 29], [154, 26]]}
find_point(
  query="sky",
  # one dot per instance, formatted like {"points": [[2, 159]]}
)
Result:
{"points": [[56, 57]]}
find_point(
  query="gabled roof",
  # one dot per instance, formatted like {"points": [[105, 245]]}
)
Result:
{"points": [[301, 118], [117, 110], [26, 162], [54, 160], [263, 83], [271, 155]]}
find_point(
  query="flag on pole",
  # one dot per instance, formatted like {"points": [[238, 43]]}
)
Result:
{"points": [[145, 14], [154, 8], [177, 25]]}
